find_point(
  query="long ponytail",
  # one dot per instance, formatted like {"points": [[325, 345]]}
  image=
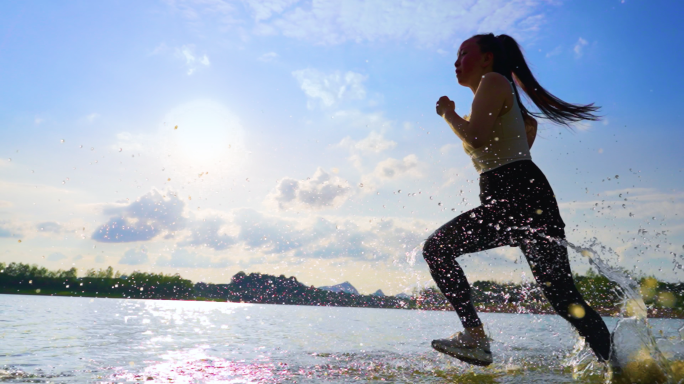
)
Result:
{"points": [[510, 62]]}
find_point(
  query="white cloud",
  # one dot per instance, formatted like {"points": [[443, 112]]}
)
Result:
{"points": [[91, 118], [321, 191], [330, 88], [209, 232], [9, 230], [150, 215], [582, 125], [554, 52], [393, 169], [446, 148], [49, 227], [373, 143], [357, 119], [318, 237], [264, 9], [161, 48], [192, 61], [129, 142], [182, 258], [579, 47], [425, 22], [134, 257], [56, 256], [268, 57]]}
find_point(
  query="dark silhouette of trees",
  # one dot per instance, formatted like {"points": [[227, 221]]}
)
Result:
{"points": [[663, 299]]}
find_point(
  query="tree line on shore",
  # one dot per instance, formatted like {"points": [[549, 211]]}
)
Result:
{"points": [[663, 298]]}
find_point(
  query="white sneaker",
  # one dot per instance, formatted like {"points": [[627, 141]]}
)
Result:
{"points": [[463, 347]]}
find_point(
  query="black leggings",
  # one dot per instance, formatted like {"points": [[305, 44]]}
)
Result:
{"points": [[519, 209]]}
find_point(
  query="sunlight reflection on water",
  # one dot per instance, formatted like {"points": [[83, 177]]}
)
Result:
{"points": [[111, 340]]}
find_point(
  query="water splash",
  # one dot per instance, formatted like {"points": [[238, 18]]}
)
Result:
{"points": [[635, 348], [411, 255]]}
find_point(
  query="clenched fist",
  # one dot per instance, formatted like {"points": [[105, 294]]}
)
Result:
{"points": [[444, 105]]}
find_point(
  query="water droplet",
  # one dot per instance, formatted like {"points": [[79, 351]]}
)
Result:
{"points": [[453, 209], [399, 191], [539, 211], [440, 204], [62, 141], [472, 214], [576, 310], [176, 127], [360, 185], [430, 197], [92, 148], [19, 241], [496, 139], [120, 149], [531, 180], [10, 159]]}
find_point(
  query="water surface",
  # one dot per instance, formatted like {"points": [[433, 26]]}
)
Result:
{"points": [[68, 339]]}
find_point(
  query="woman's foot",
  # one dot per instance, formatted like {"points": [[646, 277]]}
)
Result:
{"points": [[466, 347]]}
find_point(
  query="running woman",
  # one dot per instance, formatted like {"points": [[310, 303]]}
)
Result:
{"points": [[518, 207]]}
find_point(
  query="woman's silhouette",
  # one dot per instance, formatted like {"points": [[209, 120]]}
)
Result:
{"points": [[518, 206]]}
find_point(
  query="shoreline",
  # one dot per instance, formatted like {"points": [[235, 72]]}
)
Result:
{"points": [[652, 313]]}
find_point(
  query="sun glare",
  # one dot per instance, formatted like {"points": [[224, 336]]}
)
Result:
{"points": [[205, 134]]}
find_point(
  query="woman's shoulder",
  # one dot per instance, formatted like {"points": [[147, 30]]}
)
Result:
{"points": [[495, 82], [496, 78]]}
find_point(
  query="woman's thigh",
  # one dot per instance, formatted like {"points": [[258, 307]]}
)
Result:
{"points": [[476, 230]]}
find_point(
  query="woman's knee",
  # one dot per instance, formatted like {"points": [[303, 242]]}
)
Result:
{"points": [[431, 249]]}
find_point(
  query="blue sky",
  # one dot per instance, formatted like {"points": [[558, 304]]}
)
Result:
{"points": [[298, 123]]}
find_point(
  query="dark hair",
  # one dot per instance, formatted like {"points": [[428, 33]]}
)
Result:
{"points": [[510, 62]]}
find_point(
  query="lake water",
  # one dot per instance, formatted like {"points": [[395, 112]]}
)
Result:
{"points": [[77, 340]]}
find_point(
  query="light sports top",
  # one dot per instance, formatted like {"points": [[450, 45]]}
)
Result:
{"points": [[508, 143]]}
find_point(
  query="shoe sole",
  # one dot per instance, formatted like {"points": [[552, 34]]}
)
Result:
{"points": [[467, 355]]}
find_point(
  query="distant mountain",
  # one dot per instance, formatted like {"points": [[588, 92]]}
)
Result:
{"points": [[378, 293], [344, 287], [403, 296]]}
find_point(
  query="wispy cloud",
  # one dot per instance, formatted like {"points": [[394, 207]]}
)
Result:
{"points": [[56, 256], [182, 258], [554, 52], [268, 57], [579, 47], [329, 89], [392, 169], [373, 143], [186, 53], [91, 117], [192, 61], [134, 257], [427, 23]]}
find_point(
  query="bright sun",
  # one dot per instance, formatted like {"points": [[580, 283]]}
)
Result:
{"points": [[205, 134]]}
